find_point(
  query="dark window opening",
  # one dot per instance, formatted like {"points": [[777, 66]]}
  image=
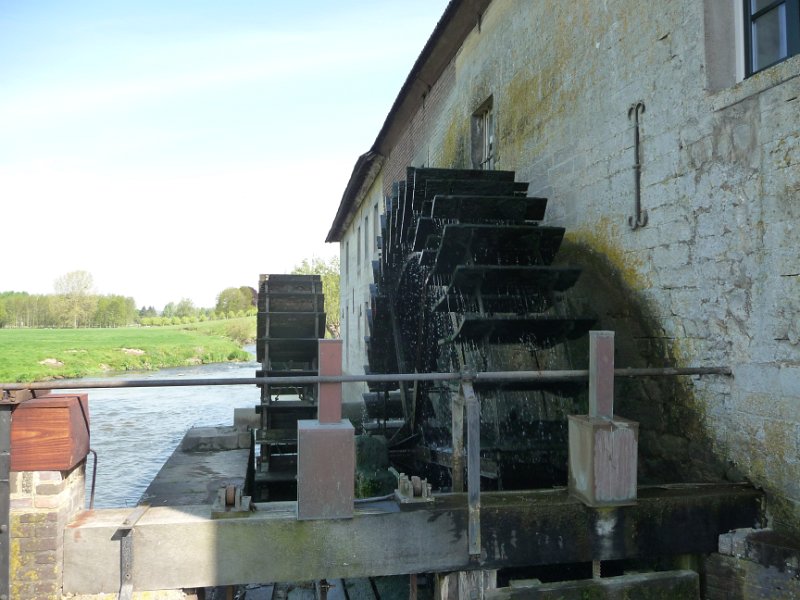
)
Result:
{"points": [[483, 142], [771, 32]]}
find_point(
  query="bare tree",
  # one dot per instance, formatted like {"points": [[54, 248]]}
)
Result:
{"points": [[75, 299]]}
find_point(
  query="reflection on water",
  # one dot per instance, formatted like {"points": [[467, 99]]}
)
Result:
{"points": [[134, 430]]}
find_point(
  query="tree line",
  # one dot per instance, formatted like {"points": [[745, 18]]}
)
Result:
{"points": [[74, 304], [21, 309]]}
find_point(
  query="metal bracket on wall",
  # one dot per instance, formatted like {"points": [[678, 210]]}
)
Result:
{"points": [[639, 217], [125, 533]]}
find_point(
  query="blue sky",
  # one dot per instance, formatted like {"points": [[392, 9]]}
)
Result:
{"points": [[173, 149]]}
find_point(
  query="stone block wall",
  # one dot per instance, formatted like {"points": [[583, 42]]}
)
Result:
{"points": [[753, 563], [42, 503], [712, 279]]}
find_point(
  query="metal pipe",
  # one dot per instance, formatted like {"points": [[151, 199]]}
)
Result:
{"points": [[489, 376], [94, 479], [5, 501]]}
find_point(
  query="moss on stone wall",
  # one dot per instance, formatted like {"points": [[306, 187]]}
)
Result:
{"points": [[674, 444], [453, 152]]}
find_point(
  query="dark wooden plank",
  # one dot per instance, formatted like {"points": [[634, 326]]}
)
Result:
{"points": [[660, 585], [541, 331], [517, 529], [497, 245], [425, 228], [474, 208], [459, 187], [501, 285]]}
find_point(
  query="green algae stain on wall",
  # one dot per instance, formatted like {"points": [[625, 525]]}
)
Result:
{"points": [[453, 151], [675, 445], [598, 241]]}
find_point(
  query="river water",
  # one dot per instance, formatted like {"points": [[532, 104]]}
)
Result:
{"points": [[135, 430]]}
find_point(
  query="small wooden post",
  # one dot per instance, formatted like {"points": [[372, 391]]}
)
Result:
{"points": [[473, 466], [329, 409], [457, 418], [601, 374]]}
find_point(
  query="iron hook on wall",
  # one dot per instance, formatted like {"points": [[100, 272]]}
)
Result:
{"points": [[639, 217]]}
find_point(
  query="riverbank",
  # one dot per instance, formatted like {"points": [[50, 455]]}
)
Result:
{"points": [[50, 354]]}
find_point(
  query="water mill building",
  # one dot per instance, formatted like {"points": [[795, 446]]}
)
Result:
{"points": [[666, 139], [574, 238]]}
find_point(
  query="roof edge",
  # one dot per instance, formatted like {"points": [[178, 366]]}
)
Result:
{"points": [[364, 173], [460, 17]]}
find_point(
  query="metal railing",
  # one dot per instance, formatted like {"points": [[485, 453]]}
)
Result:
{"points": [[467, 380], [475, 377]]}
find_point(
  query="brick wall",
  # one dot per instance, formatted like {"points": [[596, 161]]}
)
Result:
{"points": [[42, 503]]}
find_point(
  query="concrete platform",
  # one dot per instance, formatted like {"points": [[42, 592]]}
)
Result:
{"points": [[517, 529], [207, 459]]}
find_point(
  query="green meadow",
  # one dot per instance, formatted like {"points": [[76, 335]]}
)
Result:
{"points": [[44, 354]]}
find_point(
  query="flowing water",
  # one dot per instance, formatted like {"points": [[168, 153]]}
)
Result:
{"points": [[135, 430]]}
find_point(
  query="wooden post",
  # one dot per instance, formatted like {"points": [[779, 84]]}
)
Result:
{"points": [[473, 466], [457, 414], [329, 409], [601, 374]]}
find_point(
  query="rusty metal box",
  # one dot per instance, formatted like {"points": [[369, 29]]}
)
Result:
{"points": [[603, 460], [50, 433], [326, 456]]}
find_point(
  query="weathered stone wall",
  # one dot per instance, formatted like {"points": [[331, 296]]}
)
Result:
{"points": [[42, 503], [713, 277], [356, 253]]}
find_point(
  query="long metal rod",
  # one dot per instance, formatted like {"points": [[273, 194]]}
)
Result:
{"points": [[5, 501], [494, 376]]}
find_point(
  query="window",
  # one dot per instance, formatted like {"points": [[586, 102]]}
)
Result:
{"points": [[358, 250], [366, 239], [483, 147], [347, 260], [772, 32], [376, 225]]}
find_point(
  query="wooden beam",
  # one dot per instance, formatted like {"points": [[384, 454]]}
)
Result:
{"points": [[183, 547]]}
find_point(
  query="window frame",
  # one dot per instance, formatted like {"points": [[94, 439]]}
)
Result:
{"points": [[484, 140], [792, 9]]}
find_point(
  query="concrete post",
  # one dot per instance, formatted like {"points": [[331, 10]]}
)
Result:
{"points": [[602, 448], [326, 449], [464, 584]]}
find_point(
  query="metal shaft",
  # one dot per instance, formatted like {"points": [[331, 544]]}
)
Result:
{"points": [[494, 376]]}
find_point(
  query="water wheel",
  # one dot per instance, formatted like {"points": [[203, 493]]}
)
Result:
{"points": [[466, 281]]}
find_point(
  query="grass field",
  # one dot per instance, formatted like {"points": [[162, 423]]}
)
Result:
{"points": [[44, 354]]}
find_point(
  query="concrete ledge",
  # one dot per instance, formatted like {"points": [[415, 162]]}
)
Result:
{"points": [[246, 418], [205, 439], [517, 528], [664, 585]]}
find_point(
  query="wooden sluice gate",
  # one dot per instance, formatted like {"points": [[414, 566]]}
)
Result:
{"points": [[290, 323]]}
